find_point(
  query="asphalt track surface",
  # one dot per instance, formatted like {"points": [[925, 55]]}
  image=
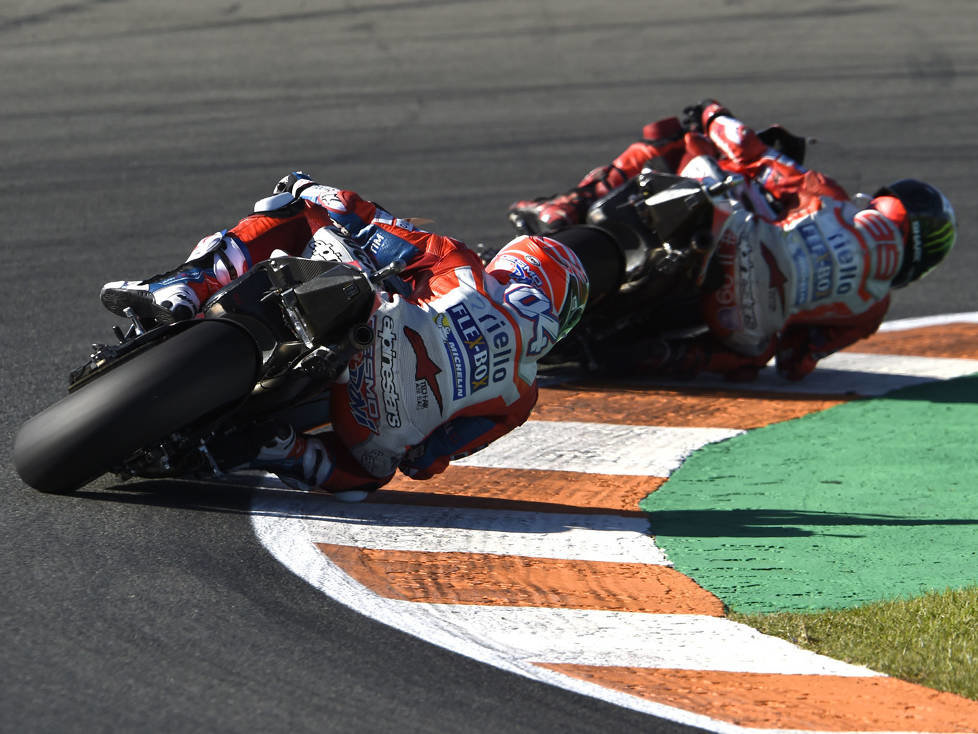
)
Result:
{"points": [[130, 130]]}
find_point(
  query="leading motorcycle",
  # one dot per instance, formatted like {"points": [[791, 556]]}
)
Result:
{"points": [[265, 347]]}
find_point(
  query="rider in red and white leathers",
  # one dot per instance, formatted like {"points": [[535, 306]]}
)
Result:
{"points": [[453, 365], [803, 269]]}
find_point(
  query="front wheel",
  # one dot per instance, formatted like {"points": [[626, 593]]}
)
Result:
{"points": [[212, 364]]}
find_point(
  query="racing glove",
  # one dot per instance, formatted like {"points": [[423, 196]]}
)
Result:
{"points": [[696, 118], [294, 183]]}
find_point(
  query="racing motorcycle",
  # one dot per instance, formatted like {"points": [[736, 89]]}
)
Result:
{"points": [[660, 223], [267, 345], [663, 226]]}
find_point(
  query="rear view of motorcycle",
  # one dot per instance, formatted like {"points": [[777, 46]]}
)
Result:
{"points": [[646, 246], [265, 344]]}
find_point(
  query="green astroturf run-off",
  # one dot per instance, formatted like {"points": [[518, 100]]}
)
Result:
{"points": [[868, 501]]}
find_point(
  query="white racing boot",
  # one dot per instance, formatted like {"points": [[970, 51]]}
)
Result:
{"points": [[164, 299]]}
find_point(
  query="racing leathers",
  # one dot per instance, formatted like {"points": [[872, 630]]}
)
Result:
{"points": [[805, 270], [801, 270], [453, 363]]}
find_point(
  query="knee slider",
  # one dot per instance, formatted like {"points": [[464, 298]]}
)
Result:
{"points": [[230, 261], [221, 254]]}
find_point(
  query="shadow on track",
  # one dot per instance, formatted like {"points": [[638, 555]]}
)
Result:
{"points": [[779, 523], [388, 508], [182, 494]]}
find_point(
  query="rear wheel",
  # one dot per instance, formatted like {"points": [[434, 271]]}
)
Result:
{"points": [[212, 364]]}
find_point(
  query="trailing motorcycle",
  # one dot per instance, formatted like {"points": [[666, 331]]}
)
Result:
{"points": [[663, 227], [266, 345], [659, 224]]}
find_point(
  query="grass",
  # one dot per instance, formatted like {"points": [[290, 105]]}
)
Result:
{"points": [[931, 640]]}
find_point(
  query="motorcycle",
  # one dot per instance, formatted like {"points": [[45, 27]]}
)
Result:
{"points": [[267, 345], [662, 224]]}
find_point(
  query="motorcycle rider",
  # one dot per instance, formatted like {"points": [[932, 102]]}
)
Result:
{"points": [[454, 361], [801, 270]]}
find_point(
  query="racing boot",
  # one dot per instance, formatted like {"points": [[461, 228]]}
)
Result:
{"points": [[300, 461], [161, 299], [548, 214]]}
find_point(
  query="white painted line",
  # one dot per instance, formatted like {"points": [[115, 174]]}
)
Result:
{"points": [[846, 373], [969, 317], [586, 537], [609, 449], [278, 524], [592, 637], [878, 374], [933, 368]]}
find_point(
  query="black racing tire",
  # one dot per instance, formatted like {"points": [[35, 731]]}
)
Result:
{"points": [[213, 363]]}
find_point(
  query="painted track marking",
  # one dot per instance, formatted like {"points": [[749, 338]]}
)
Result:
{"points": [[646, 661], [503, 532], [630, 450]]}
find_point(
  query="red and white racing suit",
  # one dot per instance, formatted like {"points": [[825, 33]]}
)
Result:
{"points": [[453, 365], [802, 276]]}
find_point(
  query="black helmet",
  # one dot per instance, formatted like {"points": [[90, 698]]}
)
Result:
{"points": [[932, 227]]}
